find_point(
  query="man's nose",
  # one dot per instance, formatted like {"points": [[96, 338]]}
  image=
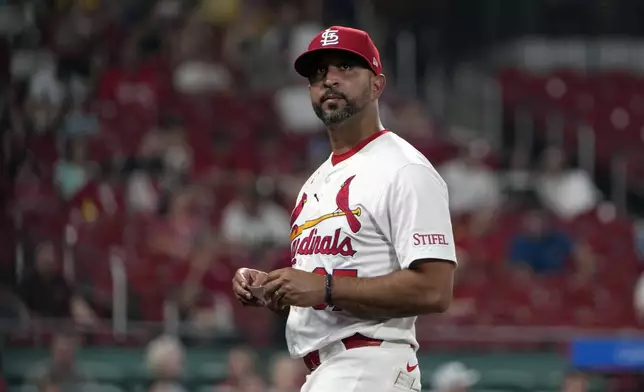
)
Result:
{"points": [[332, 77]]}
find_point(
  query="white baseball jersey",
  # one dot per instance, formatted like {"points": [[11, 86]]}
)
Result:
{"points": [[368, 212]]}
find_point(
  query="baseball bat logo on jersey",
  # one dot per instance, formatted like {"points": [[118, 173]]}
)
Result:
{"points": [[316, 243]]}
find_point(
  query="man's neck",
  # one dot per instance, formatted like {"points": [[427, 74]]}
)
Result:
{"points": [[351, 132]]}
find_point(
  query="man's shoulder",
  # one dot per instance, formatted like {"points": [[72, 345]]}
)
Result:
{"points": [[396, 158], [395, 153]]}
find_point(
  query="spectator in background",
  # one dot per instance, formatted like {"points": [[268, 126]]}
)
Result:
{"points": [[294, 111], [47, 294], [287, 374], [565, 191], [203, 296], [62, 370], [73, 171], [51, 88], [142, 192], [260, 50], [252, 385], [197, 71], [176, 234], [167, 11], [454, 377], [288, 36], [251, 220], [79, 24], [472, 185], [518, 179], [146, 170], [165, 360], [101, 197], [575, 382], [131, 88], [241, 371], [167, 148], [638, 298], [31, 190], [545, 250], [177, 153], [79, 121], [171, 247]]}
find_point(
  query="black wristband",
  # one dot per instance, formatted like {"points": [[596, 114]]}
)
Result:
{"points": [[328, 285]]}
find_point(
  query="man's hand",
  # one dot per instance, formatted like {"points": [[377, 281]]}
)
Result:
{"points": [[289, 286], [244, 278]]}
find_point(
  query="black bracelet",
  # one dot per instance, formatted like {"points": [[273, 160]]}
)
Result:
{"points": [[328, 284]]}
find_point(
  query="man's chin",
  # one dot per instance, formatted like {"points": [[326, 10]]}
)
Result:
{"points": [[335, 118]]}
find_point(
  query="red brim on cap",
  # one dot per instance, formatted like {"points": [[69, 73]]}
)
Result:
{"points": [[304, 62]]}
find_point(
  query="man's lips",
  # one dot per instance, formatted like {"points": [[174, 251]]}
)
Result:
{"points": [[329, 97]]}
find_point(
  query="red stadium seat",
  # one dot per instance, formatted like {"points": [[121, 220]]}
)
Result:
{"points": [[611, 103]]}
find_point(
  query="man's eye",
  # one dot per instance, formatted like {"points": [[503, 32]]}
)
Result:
{"points": [[345, 67], [320, 70]]}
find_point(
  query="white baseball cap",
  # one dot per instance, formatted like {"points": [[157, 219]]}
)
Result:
{"points": [[454, 374]]}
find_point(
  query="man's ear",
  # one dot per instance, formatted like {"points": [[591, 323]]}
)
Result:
{"points": [[378, 85]]}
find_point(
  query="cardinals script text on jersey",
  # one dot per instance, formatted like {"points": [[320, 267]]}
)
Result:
{"points": [[369, 212]]}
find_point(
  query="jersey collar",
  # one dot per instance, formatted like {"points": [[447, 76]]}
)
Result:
{"points": [[337, 158]]}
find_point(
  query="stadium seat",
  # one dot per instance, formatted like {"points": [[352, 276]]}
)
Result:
{"points": [[610, 102]]}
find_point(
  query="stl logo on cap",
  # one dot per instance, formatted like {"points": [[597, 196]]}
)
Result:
{"points": [[329, 37]]}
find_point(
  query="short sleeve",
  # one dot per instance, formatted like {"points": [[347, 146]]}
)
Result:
{"points": [[414, 214]]}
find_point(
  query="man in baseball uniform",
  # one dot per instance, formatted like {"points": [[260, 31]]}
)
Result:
{"points": [[371, 238]]}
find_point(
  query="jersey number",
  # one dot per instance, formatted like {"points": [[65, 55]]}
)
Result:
{"points": [[336, 272]]}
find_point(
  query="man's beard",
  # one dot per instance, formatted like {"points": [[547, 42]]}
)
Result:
{"points": [[337, 116]]}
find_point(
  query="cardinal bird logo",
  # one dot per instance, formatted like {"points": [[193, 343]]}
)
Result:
{"points": [[343, 209], [342, 201], [298, 209]]}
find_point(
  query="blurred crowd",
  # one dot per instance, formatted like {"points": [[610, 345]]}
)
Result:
{"points": [[165, 369], [174, 136], [168, 139], [165, 366]]}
